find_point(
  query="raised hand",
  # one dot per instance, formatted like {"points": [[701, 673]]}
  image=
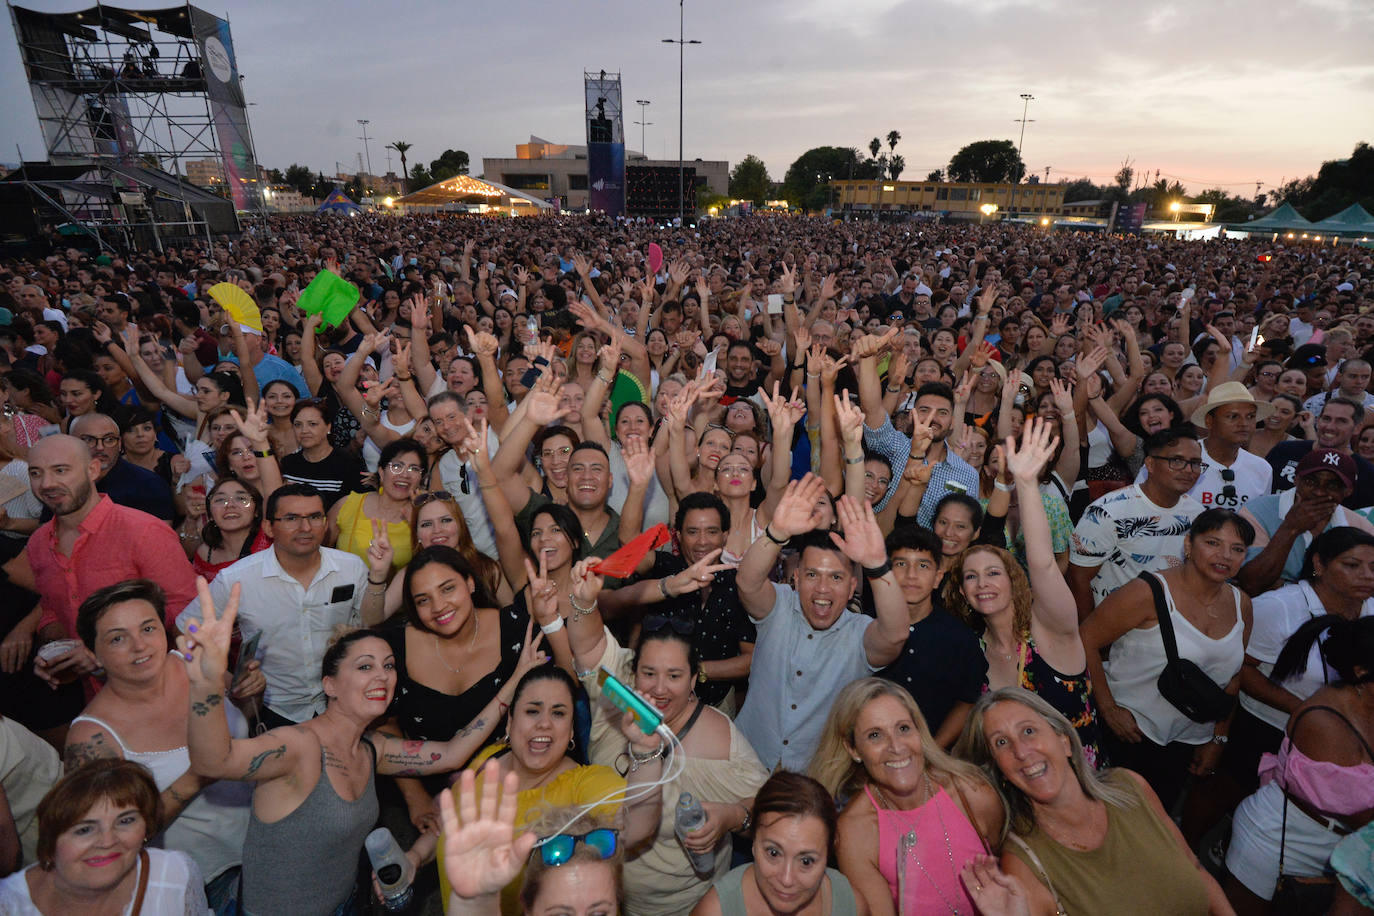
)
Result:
{"points": [[982, 355], [482, 343], [917, 473], [375, 393], [541, 404], [380, 552], [965, 389], [530, 655], [850, 418], [1038, 443], [610, 356], [1063, 397], [586, 585], [921, 436], [581, 265], [639, 461], [1059, 326], [799, 509], [828, 287], [897, 368], [871, 345], [482, 854], [830, 367], [543, 591], [862, 540], [787, 281], [994, 892], [253, 424], [206, 648], [803, 340], [697, 576]]}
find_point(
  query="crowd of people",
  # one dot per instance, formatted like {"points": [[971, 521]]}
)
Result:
{"points": [[956, 568]]}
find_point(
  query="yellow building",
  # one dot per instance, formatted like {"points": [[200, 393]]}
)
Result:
{"points": [[956, 199]]}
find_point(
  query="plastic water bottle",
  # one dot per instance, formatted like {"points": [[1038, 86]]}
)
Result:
{"points": [[689, 817], [394, 872]]}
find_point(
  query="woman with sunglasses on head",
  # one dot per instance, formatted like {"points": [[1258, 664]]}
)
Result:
{"points": [[354, 520], [570, 874], [538, 748], [315, 799], [794, 839], [437, 521], [718, 767], [247, 455]]}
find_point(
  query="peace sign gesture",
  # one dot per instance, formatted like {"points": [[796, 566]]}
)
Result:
{"points": [[543, 591], [380, 553], [206, 649], [697, 576]]}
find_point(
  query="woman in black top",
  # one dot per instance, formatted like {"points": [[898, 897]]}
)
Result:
{"points": [[332, 471]]}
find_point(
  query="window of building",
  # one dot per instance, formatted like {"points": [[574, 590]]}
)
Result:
{"points": [[526, 182], [958, 193], [942, 194], [577, 182], [975, 193]]}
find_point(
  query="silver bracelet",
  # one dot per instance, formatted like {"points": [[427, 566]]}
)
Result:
{"points": [[578, 610], [1004, 487]]}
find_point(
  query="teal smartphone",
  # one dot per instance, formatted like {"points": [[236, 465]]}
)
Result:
{"points": [[625, 699]]}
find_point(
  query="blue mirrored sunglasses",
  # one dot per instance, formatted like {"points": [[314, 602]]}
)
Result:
{"points": [[556, 850]]}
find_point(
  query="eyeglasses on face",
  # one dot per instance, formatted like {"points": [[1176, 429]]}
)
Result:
{"points": [[558, 850], [1178, 463], [400, 467], [108, 441], [223, 501], [292, 519]]}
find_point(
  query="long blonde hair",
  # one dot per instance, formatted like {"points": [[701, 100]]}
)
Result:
{"points": [[973, 746], [842, 776]]}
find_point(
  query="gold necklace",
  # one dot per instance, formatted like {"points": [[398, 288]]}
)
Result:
{"points": [[437, 639]]}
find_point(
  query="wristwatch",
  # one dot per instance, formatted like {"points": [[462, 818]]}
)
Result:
{"points": [[1220, 739]]}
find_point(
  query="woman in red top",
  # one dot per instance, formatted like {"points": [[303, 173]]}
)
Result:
{"points": [[233, 529]]}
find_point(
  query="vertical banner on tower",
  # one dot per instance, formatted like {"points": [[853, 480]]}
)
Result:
{"points": [[227, 108], [605, 143]]}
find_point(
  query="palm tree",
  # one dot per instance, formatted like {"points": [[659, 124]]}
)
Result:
{"points": [[892, 138], [401, 147], [895, 166], [874, 145]]}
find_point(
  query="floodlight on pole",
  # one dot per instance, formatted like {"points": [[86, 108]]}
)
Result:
{"points": [[643, 122], [681, 43], [363, 122], [1026, 99]]}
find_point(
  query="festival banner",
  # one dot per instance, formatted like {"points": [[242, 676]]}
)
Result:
{"points": [[227, 108]]}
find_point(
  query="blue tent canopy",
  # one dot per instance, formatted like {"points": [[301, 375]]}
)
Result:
{"points": [[338, 202]]}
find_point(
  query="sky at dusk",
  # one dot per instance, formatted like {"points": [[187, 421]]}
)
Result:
{"points": [[1217, 93]]}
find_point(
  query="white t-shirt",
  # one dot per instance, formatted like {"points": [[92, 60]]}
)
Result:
{"points": [[175, 888], [1277, 615], [1124, 533], [1248, 477]]}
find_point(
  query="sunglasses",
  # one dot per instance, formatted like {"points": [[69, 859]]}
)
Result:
{"points": [[424, 499], [655, 622], [1228, 477], [558, 850]]}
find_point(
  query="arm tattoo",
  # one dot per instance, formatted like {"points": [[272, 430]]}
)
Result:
{"points": [[83, 752], [475, 726], [407, 757], [178, 797], [256, 763], [202, 709]]}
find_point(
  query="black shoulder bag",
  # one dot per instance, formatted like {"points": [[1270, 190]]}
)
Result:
{"points": [[1186, 686]]}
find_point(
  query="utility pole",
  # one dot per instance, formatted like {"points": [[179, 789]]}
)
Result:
{"points": [[681, 43], [643, 122], [1026, 99], [363, 122]]}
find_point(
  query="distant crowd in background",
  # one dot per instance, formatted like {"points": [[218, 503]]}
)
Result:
{"points": [[968, 568]]}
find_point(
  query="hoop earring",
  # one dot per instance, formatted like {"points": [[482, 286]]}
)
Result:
{"points": [[572, 744]]}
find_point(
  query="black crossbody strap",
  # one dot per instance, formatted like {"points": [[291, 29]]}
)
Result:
{"points": [[1166, 623]]}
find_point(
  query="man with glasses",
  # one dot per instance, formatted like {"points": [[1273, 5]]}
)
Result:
{"points": [[1285, 523], [123, 481], [1140, 527], [294, 596]]}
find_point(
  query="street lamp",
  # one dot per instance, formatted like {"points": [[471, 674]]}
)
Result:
{"points": [[1026, 99], [988, 210], [643, 122], [1174, 208], [681, 43], [363, 122]]}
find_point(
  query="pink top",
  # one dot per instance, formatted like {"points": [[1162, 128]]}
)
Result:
{"points": [[932, 883], [115, 543], [1329, 787]]}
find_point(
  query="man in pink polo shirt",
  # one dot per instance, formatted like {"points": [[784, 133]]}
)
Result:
{"points": [[90, 543]]}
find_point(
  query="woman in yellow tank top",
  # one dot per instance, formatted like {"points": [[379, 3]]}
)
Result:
{"points": [[353, 520]]}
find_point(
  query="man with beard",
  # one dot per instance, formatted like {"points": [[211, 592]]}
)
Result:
{"points": [[696, 594], [91, 542], [809, 644], [124, 482], [932, 415]]}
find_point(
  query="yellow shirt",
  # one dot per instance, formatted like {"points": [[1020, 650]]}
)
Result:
{"points": [[573, 788], [355, 532]]}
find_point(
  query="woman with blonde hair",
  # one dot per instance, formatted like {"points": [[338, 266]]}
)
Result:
{"points": [[1079, 841], [914, 815]]}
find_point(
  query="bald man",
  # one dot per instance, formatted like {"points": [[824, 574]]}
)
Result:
{"points": [[123, 481], [89, 543]]}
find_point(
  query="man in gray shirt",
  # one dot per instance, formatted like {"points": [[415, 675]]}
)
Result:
{"points": [[809, 646]]}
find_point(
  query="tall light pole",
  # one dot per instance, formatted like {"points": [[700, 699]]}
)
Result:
{"points": [[643, 122], [363, 122], [681, 43], [1026, 98]]}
